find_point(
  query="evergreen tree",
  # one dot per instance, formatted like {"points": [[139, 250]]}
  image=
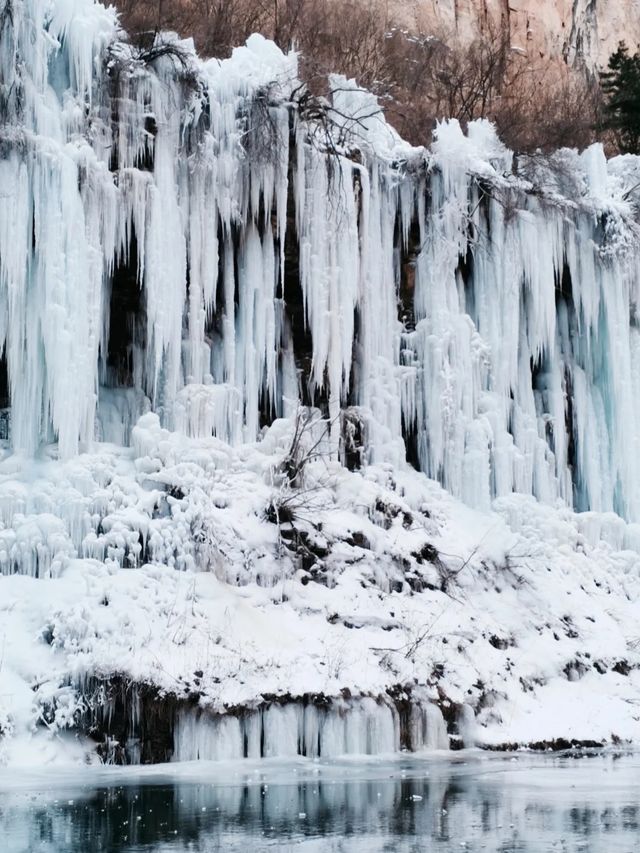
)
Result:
{"points": [[621, 87]]}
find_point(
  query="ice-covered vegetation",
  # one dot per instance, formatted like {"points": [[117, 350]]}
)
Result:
{"points": [[246, 333]]}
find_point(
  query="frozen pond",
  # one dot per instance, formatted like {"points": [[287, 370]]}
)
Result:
{"points": [[471, 801]]}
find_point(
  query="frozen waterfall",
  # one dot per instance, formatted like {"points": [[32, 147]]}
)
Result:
{"points": [[207, 241]]}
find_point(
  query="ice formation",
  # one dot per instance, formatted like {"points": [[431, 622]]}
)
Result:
{"points": [[192, 238], [358, 727], [190, 251]]}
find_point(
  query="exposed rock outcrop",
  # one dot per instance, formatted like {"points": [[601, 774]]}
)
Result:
{"points": [[576, 31]]}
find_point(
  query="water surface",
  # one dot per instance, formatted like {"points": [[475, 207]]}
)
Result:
{"points": [[472, 801]]}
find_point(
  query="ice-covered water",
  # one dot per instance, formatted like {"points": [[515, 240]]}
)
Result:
{"points": [[514, 804]]}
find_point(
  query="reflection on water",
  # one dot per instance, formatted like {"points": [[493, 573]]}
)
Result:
{"points": [[473, 802]]}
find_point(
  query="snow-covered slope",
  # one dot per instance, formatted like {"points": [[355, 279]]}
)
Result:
{"points": [[382, 580], [231, 311]]}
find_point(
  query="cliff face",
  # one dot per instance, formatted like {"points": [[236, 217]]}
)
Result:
{"points": [[575, 30]]}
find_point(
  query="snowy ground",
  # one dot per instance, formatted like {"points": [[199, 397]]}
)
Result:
{"points": [[529, 614]]}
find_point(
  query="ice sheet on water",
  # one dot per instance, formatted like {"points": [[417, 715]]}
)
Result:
{"points": [[530, 805]]}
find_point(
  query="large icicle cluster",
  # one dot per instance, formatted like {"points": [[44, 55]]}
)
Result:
{"points": [[302, 727], [358, 727], [526, 343], [195, 239]]}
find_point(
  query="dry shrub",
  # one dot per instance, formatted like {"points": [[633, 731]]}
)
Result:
{"points": [[533, 104]]}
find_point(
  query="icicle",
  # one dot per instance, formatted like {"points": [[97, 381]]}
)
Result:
{"points": [[355, 727]]}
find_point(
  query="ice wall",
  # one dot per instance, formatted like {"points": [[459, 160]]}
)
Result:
{"points": [[209, 241]]}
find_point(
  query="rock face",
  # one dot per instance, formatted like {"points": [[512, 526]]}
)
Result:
{"points": [[573, 30]]}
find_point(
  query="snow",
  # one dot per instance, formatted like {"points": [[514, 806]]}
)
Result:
{"points": [[276, 250], [220, 595]]}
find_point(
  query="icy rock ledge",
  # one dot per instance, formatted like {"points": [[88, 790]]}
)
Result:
{"points": [[133, 724]]}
